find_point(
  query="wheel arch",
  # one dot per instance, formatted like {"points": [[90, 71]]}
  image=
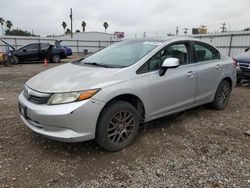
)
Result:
{"points": [[133, 100], [229, 80]]}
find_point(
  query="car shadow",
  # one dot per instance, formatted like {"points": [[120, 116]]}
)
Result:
{"points": [[170, 123]]}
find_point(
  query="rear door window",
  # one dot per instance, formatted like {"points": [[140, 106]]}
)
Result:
{"points": [[205, 52], [44, 46]]}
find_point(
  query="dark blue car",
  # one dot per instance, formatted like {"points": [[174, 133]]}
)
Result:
{"points": [[68, 50], [243, 66]]}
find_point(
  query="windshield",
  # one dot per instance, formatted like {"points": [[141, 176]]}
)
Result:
{"points": [[122, 54]]}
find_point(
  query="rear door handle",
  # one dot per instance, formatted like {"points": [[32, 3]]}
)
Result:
{"points": [[190, 74], [218, 67]]}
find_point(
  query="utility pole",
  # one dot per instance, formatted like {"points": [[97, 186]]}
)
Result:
{"points": [[71, 23], [223, 28], [177, 31], [185, 31]]}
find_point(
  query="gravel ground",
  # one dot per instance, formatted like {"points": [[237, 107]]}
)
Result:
{"points": [[199, 148]]}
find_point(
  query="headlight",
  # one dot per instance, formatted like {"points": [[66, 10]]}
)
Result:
{"points": [[62, 98]]}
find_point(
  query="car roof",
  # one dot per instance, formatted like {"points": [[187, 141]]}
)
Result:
{"points": [[170, 39]]}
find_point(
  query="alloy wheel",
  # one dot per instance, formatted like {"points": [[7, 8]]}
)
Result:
{"points": [[121, 125]]}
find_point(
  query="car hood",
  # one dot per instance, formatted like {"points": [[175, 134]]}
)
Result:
{"points": [[243, 57], [71, 77]]}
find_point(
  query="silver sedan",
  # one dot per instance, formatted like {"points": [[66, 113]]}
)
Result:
{"points": [[108, 94]]}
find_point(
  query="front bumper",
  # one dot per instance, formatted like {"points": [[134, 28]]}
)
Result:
{"points": [[242, 74], [73, 122]]}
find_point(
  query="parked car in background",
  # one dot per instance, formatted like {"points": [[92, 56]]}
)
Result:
{"points": [[7, 57], [243, 65], [108, 94], [68, 51], [40, 51]]}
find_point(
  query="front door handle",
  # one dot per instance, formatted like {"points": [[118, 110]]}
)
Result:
{"points": [[190, 74]]}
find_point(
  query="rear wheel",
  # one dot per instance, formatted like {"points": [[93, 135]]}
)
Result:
{"points": [[222, 95], [56, 58], [117, 126]]}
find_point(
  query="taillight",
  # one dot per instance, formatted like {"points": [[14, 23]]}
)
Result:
{"points": [[235, 62]]}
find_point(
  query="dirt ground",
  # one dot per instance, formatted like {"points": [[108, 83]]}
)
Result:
{"points": [[200, 148]]}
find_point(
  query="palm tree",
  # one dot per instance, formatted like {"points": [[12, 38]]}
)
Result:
{"points": [[9, 24], [2, 23], [105, 25], [83, 26], [67, 31], [64, 25]]}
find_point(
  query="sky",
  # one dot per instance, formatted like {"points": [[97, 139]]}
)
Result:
{"points": [[45, 17]]}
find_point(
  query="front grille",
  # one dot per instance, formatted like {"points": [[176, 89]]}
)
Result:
{"points": [[244, 65], [38, 100], [36, 97]]}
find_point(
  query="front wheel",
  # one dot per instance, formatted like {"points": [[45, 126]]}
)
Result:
{"points": [[238, 80], [117, 126], [16, 59], [222, 95]]}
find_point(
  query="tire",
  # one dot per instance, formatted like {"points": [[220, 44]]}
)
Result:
{"points": [[238, 80], [16, 60], [7, 63], [117, 126], [222, 95], [56, 58]]}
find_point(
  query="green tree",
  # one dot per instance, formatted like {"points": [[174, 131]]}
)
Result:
{"points": [[246, 29], [83, 26], [9, 24], [2, 23], [78, 31], [105, 25], [18, 32], [64, 25]]}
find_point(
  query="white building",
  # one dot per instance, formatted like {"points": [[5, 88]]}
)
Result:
{"points": [[83, 41], [90, 41]]}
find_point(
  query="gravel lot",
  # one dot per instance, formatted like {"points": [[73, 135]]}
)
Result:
{"points": [[199, 148]]}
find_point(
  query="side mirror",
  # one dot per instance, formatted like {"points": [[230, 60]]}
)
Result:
{"points": [[24, 50], [247, 49], [169, 63]]}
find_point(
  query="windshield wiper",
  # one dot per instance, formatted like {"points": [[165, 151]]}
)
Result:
{"points": [[98, 64]]}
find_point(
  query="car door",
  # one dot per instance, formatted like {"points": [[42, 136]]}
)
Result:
{"points": [[209, 71], [29, 51], [176, 89], [43, 50]]}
